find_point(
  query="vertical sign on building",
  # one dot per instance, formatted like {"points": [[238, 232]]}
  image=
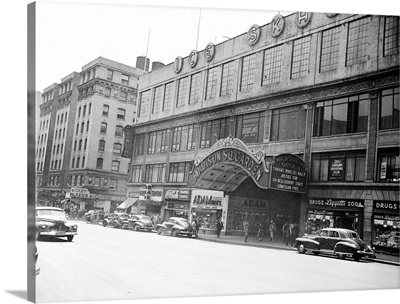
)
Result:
{"points": [[128, 142]]}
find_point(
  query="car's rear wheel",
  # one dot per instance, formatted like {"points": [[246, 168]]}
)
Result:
{"points": [[104, 223], [70, 238], [301, 248], [175, 233]]}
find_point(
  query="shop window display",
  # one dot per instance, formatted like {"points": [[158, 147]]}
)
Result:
{"points": [[386, 231], [319, 219]]}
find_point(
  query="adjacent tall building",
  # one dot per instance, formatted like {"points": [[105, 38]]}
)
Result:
{"points": [[80, 137], [293, 121]]}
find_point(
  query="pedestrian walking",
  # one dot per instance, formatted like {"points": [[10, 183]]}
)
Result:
{"points": [[260, 232], [246, 226], [287, 232], [195, 227], [220, 226], [295, 232], [272, 230]]}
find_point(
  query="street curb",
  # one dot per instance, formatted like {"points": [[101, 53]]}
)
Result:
{"points": [[288, 249]]}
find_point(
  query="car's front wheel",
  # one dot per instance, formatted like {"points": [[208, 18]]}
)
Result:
{"points": [[70, 238], [158, 231], [301, 248], [104, 223], [136, 228], [175, 233]]}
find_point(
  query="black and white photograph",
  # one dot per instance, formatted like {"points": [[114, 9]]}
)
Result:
{"points": [[184, 152]]}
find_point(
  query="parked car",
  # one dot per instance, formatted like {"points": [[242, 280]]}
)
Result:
{"points": [[175, 226], [94, 216], [116, 220], [335, 241], [139, 222], [52, 222]]}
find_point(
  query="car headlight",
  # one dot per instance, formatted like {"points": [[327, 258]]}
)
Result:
{"points": [[43, 226]]}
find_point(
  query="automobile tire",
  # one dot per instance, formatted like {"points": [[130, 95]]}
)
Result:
{"points": [[175, 233], [136, 228], [356, 257], [158, 231], [70, 238], [189, 235], [340, 256], [301, 248], [104, 223]]}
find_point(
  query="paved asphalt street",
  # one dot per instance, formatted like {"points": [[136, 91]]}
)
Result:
{"points": [[113, 264]]}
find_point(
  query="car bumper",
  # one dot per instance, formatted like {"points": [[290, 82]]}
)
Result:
{"points": [[366, 254], [58, 233]]}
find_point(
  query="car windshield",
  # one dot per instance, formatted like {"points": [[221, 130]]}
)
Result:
{"points": [[184, 223], [47, 212]]}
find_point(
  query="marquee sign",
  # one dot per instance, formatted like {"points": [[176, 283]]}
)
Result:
{"points": [[232, 151], [288, 173]]}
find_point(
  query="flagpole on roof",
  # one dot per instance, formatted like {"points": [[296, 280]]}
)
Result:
{"points": [[147, 50], [198, 31]]}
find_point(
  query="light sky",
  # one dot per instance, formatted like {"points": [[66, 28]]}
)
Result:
{"points": [[70, 35]]}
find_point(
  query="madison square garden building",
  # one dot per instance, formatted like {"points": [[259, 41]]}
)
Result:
{"points": [[293, 121]]}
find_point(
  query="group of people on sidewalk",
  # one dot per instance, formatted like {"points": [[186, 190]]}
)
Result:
{"points": [[290, 231]]}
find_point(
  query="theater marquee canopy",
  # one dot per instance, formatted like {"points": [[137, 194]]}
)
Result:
{"points": [[229, 162]]}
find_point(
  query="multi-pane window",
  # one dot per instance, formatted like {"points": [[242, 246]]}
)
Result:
{"points": [[227, 78], [250, 127], [338, 166], [168, 97], [109, 74], [194, 95], [212, 131], [182, 138], [136, 174], [115, 165], [155, 173], [96, 182], [289, 123], [157, 99], [102, 144], [158, 142], [330, 49], [144, 102], [182, 89], [119, 131], [357, 41], [106, 109], [125, 79], [113, 183], [117, 148], [211, 83], [272, 69], [342, 115], [103, 128], [123, 95], [138, 144], [301, 57], [391, 36], [248, 72], [107, 91], [99, 163], [389, 113], [389, 165], [179, 172], [121, 113]]}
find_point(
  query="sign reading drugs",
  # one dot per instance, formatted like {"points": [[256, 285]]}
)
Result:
{"points": [[288, 173]]}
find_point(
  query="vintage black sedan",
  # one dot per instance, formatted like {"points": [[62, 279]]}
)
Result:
{"points": [[140, 222], [116, 220], [335, 241], [175, 226], [52, 222]]}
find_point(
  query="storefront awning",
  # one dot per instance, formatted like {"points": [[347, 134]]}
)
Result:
{"points": [[127, 203]]}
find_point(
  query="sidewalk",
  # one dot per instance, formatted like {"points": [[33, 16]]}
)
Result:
{"points": [[279, 245]]}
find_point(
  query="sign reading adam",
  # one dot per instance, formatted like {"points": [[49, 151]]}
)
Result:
{"points": [[288, 173], [231, 151]]}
